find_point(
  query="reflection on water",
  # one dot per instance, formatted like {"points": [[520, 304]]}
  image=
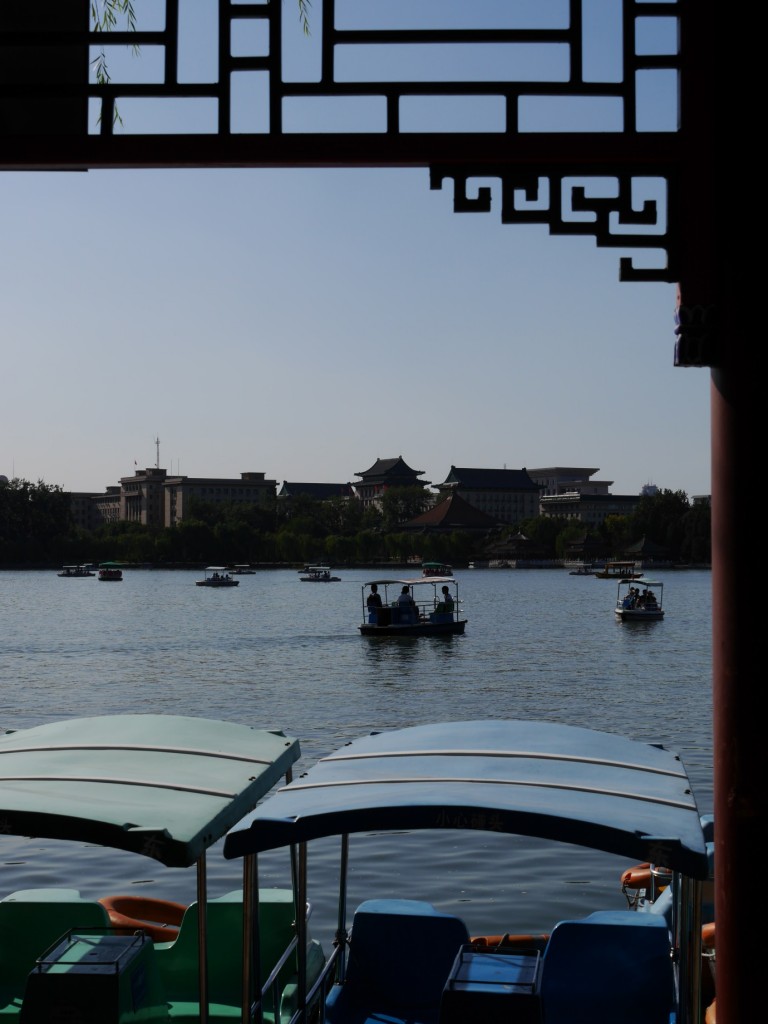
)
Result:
{"points": [[278, 654]]}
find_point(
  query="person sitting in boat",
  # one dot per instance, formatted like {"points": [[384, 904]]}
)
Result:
{"points": [[650, 599], [407, 606], [373, 602], [446, 605]]}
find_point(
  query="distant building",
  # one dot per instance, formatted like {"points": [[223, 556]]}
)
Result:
{"points": [[505, 495], [592, 509], [179, 492], [80, 503], [152, 498], [141, 497], [318, 492], [384, 474], [105, 508], [568, 480]]}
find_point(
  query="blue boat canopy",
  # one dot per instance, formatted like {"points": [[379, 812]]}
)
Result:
{"points": [[165, 786], [544, 779]]}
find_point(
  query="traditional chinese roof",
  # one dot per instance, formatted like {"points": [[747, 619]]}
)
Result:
{"points": [[392, 471], [468, 478], [453, 513]]}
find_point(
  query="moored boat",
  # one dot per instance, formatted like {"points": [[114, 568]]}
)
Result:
{"points": [[650, 888], [402, 960], [636, 605], [424, 606], [161, 786]]}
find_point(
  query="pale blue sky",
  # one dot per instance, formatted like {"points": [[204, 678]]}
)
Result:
{"points": [[304, 323]]}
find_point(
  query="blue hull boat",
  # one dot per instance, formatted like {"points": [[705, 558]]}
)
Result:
{"points": [[402, 961]]}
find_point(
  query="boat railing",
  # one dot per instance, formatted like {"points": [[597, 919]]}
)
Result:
{"points": [[270, 990], [316, 993]]}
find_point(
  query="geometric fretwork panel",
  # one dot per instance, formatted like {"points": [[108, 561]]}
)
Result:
{"points": [[572, 107], [610, 211]]}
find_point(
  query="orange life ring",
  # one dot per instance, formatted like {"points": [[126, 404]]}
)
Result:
{"points": [[644, 876], [638, 877], [160, 919]]}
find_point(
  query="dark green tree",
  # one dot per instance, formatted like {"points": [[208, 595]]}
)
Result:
{"points": [[400, 504], [35, 521]]}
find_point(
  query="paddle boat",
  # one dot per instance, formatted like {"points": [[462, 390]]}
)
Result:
{"points": [[110, 572], [634, 604], [319, 574], [424, 606], [165, 787], [75, 572], [436, 569], [217, 576], [404, 961], [243, 570], [618, 570]]}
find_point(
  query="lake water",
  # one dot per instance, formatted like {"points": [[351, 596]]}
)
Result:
{"points": [[281, 654]]}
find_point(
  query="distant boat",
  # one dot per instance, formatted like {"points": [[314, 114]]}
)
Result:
{"points": [[243, 570], [73, 572], [635, 605], [217, 576], [436, 569], [583, 570], [110, 572], [413, 607], [619, 570], [319, 574]]}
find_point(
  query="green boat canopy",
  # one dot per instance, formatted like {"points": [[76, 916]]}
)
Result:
{"points": [[164, 786]]}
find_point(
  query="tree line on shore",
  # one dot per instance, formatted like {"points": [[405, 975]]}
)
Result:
{"points": [[37, 528]]}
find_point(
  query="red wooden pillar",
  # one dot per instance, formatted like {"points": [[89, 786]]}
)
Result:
{"points": [[715, 221]]}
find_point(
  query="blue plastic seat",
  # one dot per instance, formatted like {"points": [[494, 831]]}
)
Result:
{"points": [[400, 956], [609, 967]]}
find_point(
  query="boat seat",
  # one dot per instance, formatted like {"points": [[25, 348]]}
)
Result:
{"points": [[31, 921], [610, 966], [401, 953], [177, 960]]}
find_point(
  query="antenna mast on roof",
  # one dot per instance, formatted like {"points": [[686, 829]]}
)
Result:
{"points": [[157, 446]]}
